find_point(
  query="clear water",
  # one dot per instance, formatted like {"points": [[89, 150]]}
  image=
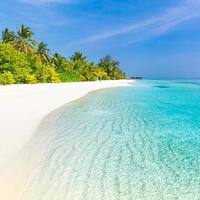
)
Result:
{"points": [[133, 143]]}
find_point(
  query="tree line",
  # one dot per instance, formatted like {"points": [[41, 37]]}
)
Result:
{"points": [[25, 60]]}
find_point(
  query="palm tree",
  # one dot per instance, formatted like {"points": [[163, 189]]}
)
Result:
{"points": [[43, 52], [58, 60], [24, 41], [99, 72], [8, 36], [78, 56], [109, 65]]}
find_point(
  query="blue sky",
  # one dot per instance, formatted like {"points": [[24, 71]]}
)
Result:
{"points": [[151, 38]]}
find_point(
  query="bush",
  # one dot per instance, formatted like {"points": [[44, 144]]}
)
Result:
{"points": [[106, 77], [69, 77], [31, 79], [21, 74], [42, 74], [53, 76], [15, 62], [88, 77], [7, 78], [11, 59]]}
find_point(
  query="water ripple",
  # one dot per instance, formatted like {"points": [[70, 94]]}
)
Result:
{"points": [[122, 144]]}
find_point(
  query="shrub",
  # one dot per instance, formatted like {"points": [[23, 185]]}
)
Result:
{"points": [[7, 78], [11, 59], [106, 77], [41, 74], [53, 76], [69, 76], [21, 74], [31, 79]]}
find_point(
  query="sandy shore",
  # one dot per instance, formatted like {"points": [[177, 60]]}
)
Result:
{"points": [[24, 106], [22, 109]]}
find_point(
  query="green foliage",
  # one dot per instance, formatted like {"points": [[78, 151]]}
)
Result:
{"points": [[43, 52], [24, 42], [106, 77], [69, 76], [10, 58], [78, 56], [7, 78], [15, 62], [8, 36], [30, 79], [111, 67], [42, 74], [24, 60], [53, 76], [99, 73], [45, 73], [61, 63]]}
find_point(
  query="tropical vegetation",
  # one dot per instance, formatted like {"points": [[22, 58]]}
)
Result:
{"points": [[25, 60]]}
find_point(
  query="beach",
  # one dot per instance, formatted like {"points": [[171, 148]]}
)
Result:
{"points": [[22, 109], [120, 143]]}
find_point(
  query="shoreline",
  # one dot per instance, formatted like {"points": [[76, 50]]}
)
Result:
{"points": [[24, 106]]}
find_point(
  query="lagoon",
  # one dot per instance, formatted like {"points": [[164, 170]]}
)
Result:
{"points": [[131, 143]]}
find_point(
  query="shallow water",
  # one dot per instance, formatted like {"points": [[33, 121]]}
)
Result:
{"points": [[133, 143]]}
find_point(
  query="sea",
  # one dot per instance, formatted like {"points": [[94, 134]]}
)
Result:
{"points": [[140, 142]]}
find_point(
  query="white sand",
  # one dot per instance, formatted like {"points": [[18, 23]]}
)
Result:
{"points": [[22, 107]]}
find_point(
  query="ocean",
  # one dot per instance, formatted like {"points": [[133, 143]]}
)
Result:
{"points": [[131, 143]]}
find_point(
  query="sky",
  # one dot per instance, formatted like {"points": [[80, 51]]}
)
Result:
{"points": [[150, 38]]}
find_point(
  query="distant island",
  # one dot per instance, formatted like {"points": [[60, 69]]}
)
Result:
{"points": [[25, 60], [136, 77]]}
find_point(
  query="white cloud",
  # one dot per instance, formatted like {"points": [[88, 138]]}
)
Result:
{"points": [[155, 25]]}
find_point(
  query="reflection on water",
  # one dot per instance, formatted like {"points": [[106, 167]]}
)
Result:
{"points": [[137, 143]]}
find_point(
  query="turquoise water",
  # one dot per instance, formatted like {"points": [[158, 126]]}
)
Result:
{"points": [[133, 143]]}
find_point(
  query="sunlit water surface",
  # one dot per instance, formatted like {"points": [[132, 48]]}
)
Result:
{"points": [[133, 143]]}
